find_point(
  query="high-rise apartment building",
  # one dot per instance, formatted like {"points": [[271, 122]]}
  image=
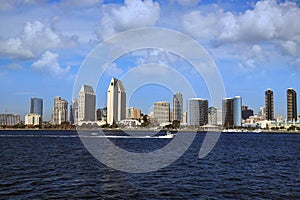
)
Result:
{"points": [[116, 101], [291, 104], [60, 111], [161, 112], [197, 111], [232, 112], [177, 110], [36, 106], [133, 113], [86, 104], [246, 112], [269, 104], [74, 112], [214, 116]]}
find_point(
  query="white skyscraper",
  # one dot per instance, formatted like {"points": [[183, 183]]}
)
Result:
{"points": [[116, 101], [86, 104]]}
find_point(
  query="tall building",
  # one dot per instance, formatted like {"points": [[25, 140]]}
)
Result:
{"points": [[227, 112], [237, 111], [232, 111], [177, 110], [246, 112], [36, 106], [291, 104], [74, 112], [214, 116], [86, 104], [116, 101], [161, 112], [133, 113], [60, 111], [269, 104], [197, 112], [262, 112]]}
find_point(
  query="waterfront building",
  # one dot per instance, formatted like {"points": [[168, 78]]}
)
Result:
{"points": [[197, 112], [161, 112], [36, 106], [262, 112], [60, 111], [291, 104], [269, 104], [33, 119], [227, 112], [86, 104], [177, 110], [102, 114], [116, 101], [232, 111], [74, 112], [133, 113], [184, 117], [9, 119], [214, 116], [246, 112]]}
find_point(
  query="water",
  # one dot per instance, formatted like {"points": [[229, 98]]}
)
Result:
{"points": [[55, 164]]}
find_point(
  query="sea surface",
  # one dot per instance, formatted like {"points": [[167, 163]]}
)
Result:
{"points": [[56, 165]]}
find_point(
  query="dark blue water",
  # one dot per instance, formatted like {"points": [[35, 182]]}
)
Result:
{"points": [[55, 164]]}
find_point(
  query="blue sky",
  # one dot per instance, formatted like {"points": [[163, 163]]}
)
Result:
{"points": [[255, 46]]}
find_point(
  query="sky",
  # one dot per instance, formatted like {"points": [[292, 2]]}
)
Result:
{"points": [[255, 46]]}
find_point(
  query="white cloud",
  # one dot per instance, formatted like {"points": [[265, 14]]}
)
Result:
{"points": [[113, 70], [48, 64], [247, 65], [11, 4], [36, 38], [133, 14], [289, 47]]}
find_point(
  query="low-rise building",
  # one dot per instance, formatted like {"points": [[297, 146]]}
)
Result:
{"points": [[33, 119]]}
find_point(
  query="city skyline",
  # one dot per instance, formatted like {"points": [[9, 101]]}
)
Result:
{"points": [[44, 44]]}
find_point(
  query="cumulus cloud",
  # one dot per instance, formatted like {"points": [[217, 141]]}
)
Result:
{"points": [[36, 38], [48, 64], [268, 20], [133, 14]]}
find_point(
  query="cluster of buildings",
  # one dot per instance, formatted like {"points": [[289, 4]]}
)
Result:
{"points": [[83, 110]]}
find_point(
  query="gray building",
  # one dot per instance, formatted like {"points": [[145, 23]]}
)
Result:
{"points": [[177, 110], [86, 104], [197, 111], [36, 106]]}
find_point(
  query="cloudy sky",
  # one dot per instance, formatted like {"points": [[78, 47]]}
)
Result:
{"points": [[255, 46]]}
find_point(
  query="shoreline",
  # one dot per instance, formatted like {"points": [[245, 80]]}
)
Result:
{"points": [[234, 131]]}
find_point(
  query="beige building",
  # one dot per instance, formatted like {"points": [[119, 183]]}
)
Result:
{"points": [[133, 113], [33, 119], [60, 111], [161, 112], [116, 101]]}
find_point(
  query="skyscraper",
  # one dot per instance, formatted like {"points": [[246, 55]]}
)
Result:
{"points": [[74, 112], [116, 101], [232, 111], [36, 106], [60, 111], [86, 104], [161, 112], [291, 104], [227, 112], [177, 107], [197, 112], [269, 104], [237, 111]]}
